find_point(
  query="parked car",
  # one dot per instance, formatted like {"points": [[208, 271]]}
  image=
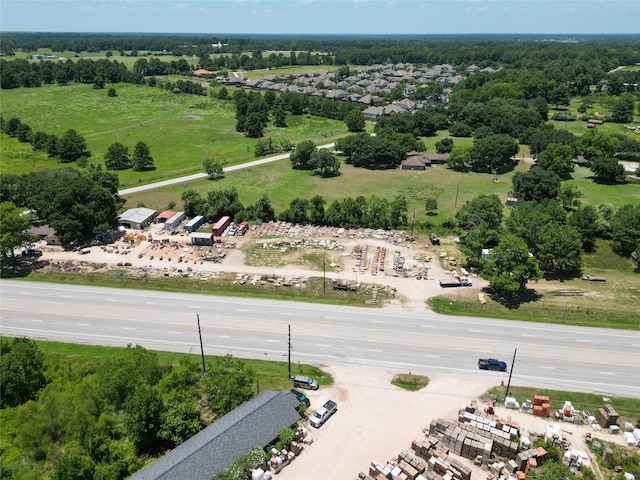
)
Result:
{"points": [[323, 413], [31, 252], [302, 381], [491, 364], [302, 398]]}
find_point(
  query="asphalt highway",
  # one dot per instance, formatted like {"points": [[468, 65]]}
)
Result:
{"points": [[548, 356]]}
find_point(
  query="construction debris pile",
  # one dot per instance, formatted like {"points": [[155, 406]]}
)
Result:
{"points": [[286, 229]]}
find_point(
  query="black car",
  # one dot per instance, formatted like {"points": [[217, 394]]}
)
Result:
{"points": [[302, 398], [31, 252]]}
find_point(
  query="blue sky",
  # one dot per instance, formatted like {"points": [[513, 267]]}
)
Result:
{"points": [[323, 16]]}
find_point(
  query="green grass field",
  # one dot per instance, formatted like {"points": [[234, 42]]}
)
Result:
{"points": [[182, 131]]}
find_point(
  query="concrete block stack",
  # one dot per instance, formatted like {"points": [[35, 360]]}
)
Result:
{"points": [[410, 465], [541, 406], [606, 416], [481, 436]]}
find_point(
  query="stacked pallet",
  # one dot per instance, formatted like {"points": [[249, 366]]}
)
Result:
{"points": [[410, 465], [606, 416], [491, 426], [541, 406]]}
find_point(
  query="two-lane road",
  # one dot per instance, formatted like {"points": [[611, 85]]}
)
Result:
{"points": [[550, 356]]}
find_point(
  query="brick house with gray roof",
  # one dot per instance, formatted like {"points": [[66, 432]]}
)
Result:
{"points": [[255, 422]]}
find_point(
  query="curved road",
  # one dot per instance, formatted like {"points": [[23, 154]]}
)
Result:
{"points": [[550, 356], [196, 176]]}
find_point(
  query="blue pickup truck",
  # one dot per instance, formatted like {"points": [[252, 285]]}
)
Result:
{"points": [[492, 364]]}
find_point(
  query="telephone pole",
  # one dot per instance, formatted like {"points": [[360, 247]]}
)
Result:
{"points": [[289, 349], [204, 369], [511, 371]]}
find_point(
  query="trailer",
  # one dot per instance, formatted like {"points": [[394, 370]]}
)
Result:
{"points": [[345, 285], [456, 282]]}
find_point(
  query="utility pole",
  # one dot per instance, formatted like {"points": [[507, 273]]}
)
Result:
{"points": [[204, 369], [413, 221], [511, 371], [289, 348], [456, 203], [324, 274]]}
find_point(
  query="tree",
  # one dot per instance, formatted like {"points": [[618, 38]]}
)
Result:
{"points": [[142, 160], [12, 228], [585, 220], [431, 205], [193, 203], [325, 162], [527, 220], [254, 125], [316, 210], [510, 267], [354, 121], [559, 95], [445, 145], [279, 116], [625, 229], [143, 417], [72, 146], [536, 184], [117, 157], [459, 159], [213, 169], [483, 209], [493, 152], [227, 384], [22, 371], [180, 422], [301, 155], [74, 465], [569, 196], [623, 109], [607, 170], [398, 211], [559, 249], [557, 158]]}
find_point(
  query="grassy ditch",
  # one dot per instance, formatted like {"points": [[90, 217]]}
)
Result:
{"points": [[227, 285], [269, 375]]}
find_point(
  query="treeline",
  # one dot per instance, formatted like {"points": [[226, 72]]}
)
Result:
{"points": [[372, 212], [94, 418]]}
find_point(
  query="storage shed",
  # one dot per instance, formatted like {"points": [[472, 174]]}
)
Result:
{"points": [[174, 221], [164, 216], [139, 217], [194, 224], [220, 226], [201, 238]]}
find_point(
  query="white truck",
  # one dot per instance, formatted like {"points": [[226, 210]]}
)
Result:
{"points": [[323, 413]]}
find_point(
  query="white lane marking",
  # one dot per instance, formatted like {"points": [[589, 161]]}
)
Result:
{"points": [[372, 350], [66, 296], [83, 324], [323, 345], [224, 336], [476, 331], [39, 321], [525, 335], [548, 368], [582, 340], [428, 326], [607, 373], [151, 303], [241, 310], [331, 318], [176, 333], [378, 321], [110, 300], [128, 328], [274, 341], [433, 356], [286, 314]]}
